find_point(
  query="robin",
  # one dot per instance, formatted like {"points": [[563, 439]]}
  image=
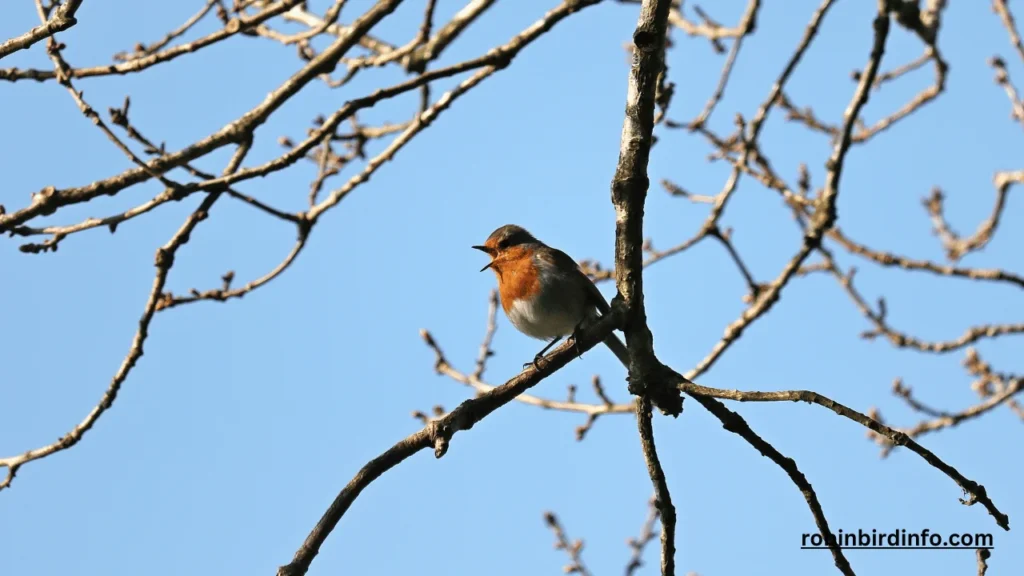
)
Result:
{"points": [[543, 291]]}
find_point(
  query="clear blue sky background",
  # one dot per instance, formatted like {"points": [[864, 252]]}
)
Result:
{"points": [[243, 420]]}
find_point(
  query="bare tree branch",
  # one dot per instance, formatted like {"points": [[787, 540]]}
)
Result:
{"points": [[438, 433], [234, 26], [629, 192], [62, 17], [1003, 10], [335, 45], [164, 260]]}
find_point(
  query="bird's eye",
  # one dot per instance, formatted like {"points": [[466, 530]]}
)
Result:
{"points": [[504, 243]]}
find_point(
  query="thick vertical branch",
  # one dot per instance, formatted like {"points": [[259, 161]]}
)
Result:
{"points": [[629, 191], [662, 497], [630, 184]]}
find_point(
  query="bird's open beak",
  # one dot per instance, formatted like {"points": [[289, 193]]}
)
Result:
{"points": [[489, 251]]}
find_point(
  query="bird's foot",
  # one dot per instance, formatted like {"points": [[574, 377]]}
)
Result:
{"points": [[535, 363], [576, 341]]}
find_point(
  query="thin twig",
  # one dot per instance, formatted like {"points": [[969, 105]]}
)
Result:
{"points": [[747, 25], [1003, 10], [145, 50], [485, 344], [164, 261], [234, 26], [572, 548], [638, 544]]}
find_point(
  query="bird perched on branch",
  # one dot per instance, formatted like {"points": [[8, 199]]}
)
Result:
{"points": [[543, 291]]}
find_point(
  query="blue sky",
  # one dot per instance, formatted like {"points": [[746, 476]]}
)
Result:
{"points": [[243, 420]]}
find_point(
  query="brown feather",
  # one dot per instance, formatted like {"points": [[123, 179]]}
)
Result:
{"points": [[565, 262]]}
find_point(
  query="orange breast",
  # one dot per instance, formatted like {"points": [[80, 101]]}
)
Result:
{"points": [[517, 277]]}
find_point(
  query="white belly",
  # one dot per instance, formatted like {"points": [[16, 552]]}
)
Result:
{"points": [[532, 319]]}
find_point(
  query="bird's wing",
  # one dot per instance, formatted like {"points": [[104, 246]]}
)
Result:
{"points": [[565, 262]]}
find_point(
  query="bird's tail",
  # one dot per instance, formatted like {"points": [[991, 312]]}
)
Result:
{"points": [[611, 341], [616, 346]]}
